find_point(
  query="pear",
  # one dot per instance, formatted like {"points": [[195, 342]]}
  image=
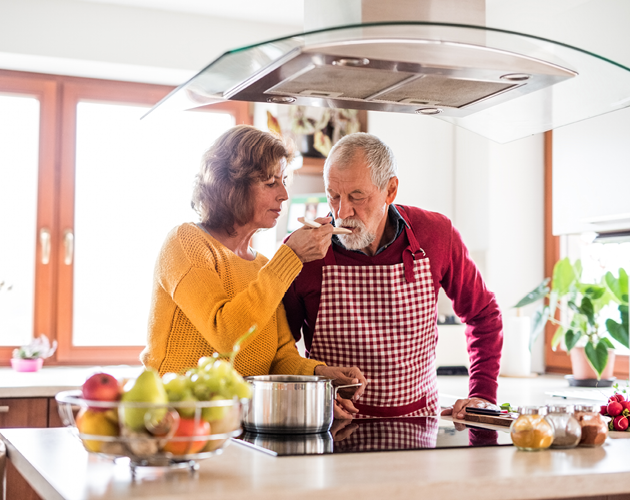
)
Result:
{"points": [[147, 388]]}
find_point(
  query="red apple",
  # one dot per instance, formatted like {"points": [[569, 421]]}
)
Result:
{"points": [[620, 423], [189, 428], [614, 408], [101, 387]]}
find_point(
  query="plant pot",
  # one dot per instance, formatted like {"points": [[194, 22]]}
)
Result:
{"points": [[26, 365], [582, 370]]}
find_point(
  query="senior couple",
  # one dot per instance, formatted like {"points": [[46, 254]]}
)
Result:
{"points": [[365, 302]]}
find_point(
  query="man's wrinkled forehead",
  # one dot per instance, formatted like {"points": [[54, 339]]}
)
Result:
{"points": [[339, 163]]}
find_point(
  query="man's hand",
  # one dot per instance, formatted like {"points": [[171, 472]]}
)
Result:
{"points": [[344, 376], [344, 409], [458, 409], [311, 243], [342, 429]]}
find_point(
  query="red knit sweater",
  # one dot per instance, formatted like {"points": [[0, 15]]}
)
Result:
{"points": [[451, 268]]}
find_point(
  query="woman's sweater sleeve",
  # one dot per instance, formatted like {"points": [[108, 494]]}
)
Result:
{"points": [[288, 359], [200, 293]]}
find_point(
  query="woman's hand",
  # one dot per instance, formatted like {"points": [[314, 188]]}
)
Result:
{"points": [[309, 243], [344, 376]]}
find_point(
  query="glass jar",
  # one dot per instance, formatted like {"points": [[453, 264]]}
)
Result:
{"points": [[530, 431], [594, 428], [567, 431]]}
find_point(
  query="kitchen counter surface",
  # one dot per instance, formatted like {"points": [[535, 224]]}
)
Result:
{"points": [[50, 380], [58, 467], [517, 391]]}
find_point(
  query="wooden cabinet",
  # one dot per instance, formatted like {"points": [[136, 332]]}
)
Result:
{"points": [[25, 412]]}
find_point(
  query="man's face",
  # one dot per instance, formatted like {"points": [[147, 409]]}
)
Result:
{"points": [[357, 204]]}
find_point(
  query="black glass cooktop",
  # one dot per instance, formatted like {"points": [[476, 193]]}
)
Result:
{"points": [[378, 434]]}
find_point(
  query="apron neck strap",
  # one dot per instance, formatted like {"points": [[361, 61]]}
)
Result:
{"points": [[409, 253]]}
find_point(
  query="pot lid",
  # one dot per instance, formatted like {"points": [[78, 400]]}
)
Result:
{"points": [[500, 83]]}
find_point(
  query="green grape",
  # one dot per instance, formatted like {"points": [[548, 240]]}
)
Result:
{"points": [[215, 412], [216, 385], [206, 361], [242, 390], [187, 411], [175, 385], [222, 369], [200, 386]]}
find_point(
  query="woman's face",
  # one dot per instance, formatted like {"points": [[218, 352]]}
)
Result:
{"points": [[268, 196]]}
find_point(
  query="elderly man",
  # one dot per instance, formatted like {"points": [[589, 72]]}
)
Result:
{"points": [[371, 302]]}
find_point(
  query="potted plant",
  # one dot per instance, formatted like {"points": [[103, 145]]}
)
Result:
{"points": [[583, 326], [30, 358]]}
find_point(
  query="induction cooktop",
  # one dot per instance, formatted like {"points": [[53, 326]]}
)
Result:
{"points": [[378, 434]]}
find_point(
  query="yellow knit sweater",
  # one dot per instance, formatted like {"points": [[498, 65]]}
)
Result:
{"points": [[205, 298]]}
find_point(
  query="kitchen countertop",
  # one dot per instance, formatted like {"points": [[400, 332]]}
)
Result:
{"points": [[52, 379], [58, 467], [517, 391]]}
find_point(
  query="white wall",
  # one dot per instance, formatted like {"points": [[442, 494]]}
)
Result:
{"points": [[424, 151], [111, 41]]}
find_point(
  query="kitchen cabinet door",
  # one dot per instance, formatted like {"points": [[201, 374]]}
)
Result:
{"points": [[22, 412], [591, 175]]}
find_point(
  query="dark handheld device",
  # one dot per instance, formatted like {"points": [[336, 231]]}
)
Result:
{"points": [[483, 411]]}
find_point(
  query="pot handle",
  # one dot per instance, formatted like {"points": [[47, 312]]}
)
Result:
{"points": [[344, 387]]}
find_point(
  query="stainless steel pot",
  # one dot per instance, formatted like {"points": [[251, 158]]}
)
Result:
{"points": [[287, 444], [291, 404]]}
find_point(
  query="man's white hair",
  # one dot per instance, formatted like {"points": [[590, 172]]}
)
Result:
{"points": [[379, 157]]}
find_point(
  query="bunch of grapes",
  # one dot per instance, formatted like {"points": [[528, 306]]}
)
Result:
{"points": [[212, 379], [618, 409]]}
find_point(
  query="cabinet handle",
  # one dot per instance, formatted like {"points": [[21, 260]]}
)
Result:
{"points": [[68, 243], [4, 409], [44, 241]]}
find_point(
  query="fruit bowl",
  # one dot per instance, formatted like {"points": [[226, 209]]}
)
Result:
{"points": [[171, 434]]}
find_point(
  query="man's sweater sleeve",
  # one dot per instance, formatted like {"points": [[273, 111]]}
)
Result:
{"points": [[477, 307], [288, 359]]}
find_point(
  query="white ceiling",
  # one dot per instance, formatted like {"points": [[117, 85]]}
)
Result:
{"points": [[287, 12]]}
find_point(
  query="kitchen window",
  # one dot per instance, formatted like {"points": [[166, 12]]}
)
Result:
{"points": [[88, 192]]}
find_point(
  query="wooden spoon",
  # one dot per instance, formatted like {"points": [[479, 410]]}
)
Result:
{"points": [[314, 224]]}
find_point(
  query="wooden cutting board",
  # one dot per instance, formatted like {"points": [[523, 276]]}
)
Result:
{"points": [[489, 419]]}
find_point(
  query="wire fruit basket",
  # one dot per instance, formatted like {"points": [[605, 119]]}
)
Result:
{"points": [[175, 435]]}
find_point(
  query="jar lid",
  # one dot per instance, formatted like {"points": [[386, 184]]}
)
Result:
{"points": [[586, 408], [532, 410], [560, 408]]}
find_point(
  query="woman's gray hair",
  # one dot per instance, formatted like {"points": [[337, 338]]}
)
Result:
{"points": [[379, 156]]}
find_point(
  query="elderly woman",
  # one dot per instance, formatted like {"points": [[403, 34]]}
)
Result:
{"points": [[210, 286]]}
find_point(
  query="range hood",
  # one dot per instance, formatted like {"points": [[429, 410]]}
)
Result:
{"points": [[424, 57]]}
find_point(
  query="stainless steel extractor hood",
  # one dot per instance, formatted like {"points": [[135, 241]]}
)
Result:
{"points": [[426, 57]]}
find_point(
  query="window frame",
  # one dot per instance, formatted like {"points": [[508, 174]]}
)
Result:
{"points": [[558, 361], [59, 96]]}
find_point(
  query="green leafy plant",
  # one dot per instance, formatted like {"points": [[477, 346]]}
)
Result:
{"points": [[39, 347], [584, 302]]}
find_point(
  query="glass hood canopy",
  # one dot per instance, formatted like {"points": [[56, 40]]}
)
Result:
{"points": [[500, 83]]}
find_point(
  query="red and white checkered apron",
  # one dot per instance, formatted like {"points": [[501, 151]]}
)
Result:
{"points": [[382, 320], [391, 434]]}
